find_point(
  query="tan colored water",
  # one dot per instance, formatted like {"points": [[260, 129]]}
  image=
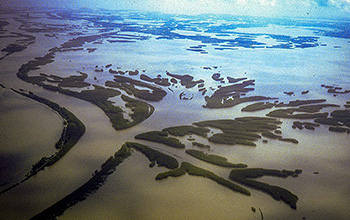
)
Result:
{"points": [[131, 193]]}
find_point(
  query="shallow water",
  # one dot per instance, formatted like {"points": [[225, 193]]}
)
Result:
{"points": [[131, 191], [28, 131]]}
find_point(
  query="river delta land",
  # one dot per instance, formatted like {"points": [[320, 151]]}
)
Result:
{"points": [[109, 114]]}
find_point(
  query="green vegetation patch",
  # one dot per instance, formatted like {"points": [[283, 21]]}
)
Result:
{"points": [[244, 130], [328, 121], [222, 138], [257, 106], [341, 115], [88, 188], [158, 80], [338, 120], [76, 81], [186, 130], [229, 96], [196, 171], [292, 140], [335, 89], [200, 145], [141, 110], [99, 96], [216, 101], [245, 134], [155, 156], [13, 48], [34, 65], [309, 111], [150, 93], [271, 135], [243, 176], [315, 108], [214, 159], [306, 125], [74, 84], [160, 137], [186, 80], [347, 105], [288, 113], [72, 132], [339, 129], [247, 124], [300, 102]]}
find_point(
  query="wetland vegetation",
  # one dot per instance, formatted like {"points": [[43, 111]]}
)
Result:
{"points": [[244, 176], [200, 145], [100, 95], [197, 171], [155, 156], [306, 125], [229, 96], [160, 137], [88, 188], [288, 113], [128, 85], [245, 130], [214, 159], [258, 106], [186, 80], [187, 130], [72, 132], [339, 121], [124, 96]]}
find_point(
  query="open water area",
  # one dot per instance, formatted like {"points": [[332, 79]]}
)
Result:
{"points": [[282, 55]]}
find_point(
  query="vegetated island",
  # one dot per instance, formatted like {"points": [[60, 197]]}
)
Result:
{"points": [[243, 130], [160, 137], [187, 130], [289, 113], [257, 106], [186, 80], [338, 122], [235, 80], [214, 159], [229, 96], [347, 105], [271, 135], [158, 80], [200, 145], [72, 132], [307, 125], [196, 171], [154, 156], [12, 48], [76, 81], [128, 85], [335, 89], [99, 96], [244, 176], [300, 102], [90, 187]]}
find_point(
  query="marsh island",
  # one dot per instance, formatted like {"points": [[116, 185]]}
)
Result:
{"points": [[127, 114]]}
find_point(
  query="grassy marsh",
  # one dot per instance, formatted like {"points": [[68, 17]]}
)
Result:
{"points": [[160, 137], [214, 159]]}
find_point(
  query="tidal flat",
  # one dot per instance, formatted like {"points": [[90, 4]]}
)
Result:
{"points": [[213, 88]]}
